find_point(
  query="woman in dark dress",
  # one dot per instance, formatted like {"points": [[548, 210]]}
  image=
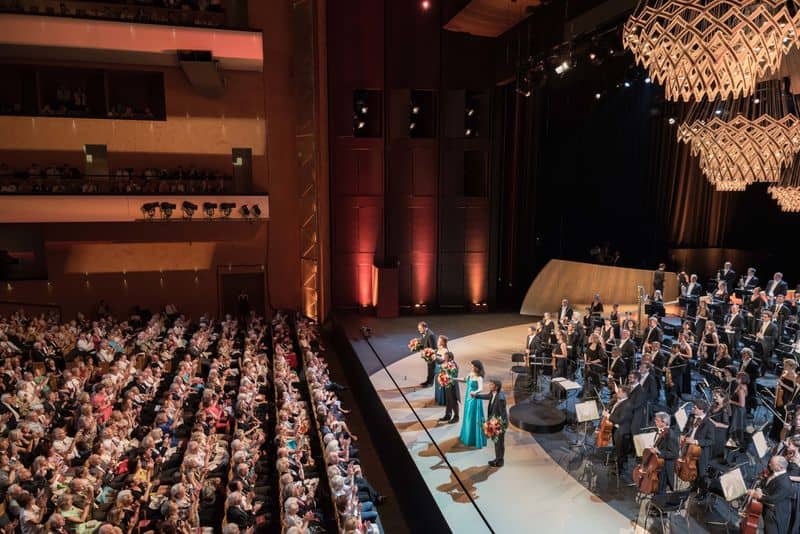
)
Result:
{"points": [[700, 319], [595, 312], [607, 333], [720, 418], [595, 359], [738, 402], [709, 342]]}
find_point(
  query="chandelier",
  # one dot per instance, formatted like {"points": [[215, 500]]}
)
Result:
{"points": [[746, 140], [710, 48], [787, 197]]}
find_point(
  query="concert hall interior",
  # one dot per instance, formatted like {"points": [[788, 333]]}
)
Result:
{"points": [[399, 266]]}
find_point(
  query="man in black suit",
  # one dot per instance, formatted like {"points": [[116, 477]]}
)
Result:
{"points": [[728, 275], [451, 394], [496, 408], [565, 312], [732, 326], [667, 446], [766, 335], [776, 497], [691, 294], [428, 339], [750, 367], [637, 398], [651, 334], [776, 287], [628, 349], [780, 312], [658, 278], [751, 280], [649, 384], [701, 432], [621, 416]]}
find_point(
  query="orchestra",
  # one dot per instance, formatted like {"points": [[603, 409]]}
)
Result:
{"points": [[714, 360]]}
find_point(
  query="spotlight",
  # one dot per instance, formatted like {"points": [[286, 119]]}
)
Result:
{"points": [[255, 210], [425, 5], [563, 67], [717, 112], [361, 125], [468, 132], [470, 112], [149, 209], [597, 96], [415, 110], [412, 125], [592, 56], [627, 83], [671, 120], [647, 80], [166, 209], [244, 211], [364, 110], [188, 209], [208, 208], [226, 208], [756, 101]]}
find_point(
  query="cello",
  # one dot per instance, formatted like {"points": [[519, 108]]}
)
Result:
{"points": [[605, 429], [647, 473], [686, 466], [751, 513]]}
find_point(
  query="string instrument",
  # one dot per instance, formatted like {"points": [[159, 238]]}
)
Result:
{"points": [[668, 372], [606, 428], [646, 474], [751, 512], [686, 466]]}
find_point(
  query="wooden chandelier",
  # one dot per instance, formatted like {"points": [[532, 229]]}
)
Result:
{"points": [[710, 48], [787, 197]]}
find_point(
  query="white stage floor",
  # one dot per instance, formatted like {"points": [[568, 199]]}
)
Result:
{"points": [[530, 493]]}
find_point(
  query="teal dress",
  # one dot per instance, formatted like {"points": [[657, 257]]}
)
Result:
{"points": [[472, 423]]}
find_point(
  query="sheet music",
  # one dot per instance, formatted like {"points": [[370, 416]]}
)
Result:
{"points": [[732, 484], [681, 418], [760, 443], [586, 411], [643, 441]]}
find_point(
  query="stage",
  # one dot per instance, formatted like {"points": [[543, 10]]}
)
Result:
{"points": [[539, 483]]}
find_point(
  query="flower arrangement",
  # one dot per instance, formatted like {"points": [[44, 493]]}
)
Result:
{"points": [[493, 428], [444, 379], [415, 345], [427, 354]]}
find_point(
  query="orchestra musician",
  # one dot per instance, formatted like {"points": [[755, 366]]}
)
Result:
{"points": [[786, 393], [530, 343], [627, 348], [621, 415], [719, 300], [727, 275], [655, 304], [637, 396], [776, 496], [780, 312], [687, 354], [733, 326], [657, 361], [607, 333], [652, 333], [738, 404], [658, 278], [667, 446], [548, 328], [647, 379], [560, 355], [574, 344], [565, 312], [595, 311], [700, 431], [753, 308], [766, 335], [720, 419], [709, 342], [615, 319], [690, 293], [700, 319], [686, 329], [750, 281], [749, 366], [617, 368], [595, 359], [776, 286]]}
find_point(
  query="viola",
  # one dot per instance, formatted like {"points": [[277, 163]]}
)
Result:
{"points": [[647, 473]]}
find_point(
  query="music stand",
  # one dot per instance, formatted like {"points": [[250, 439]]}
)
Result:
{"points": [[585, 412]]}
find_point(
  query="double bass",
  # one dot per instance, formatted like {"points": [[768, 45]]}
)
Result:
{"points": [[686, 466], [646, 474]]}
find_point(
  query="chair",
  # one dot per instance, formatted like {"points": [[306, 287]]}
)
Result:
{"points": [[666, 509]]}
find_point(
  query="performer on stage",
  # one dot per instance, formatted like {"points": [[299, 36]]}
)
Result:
{"points": [[658, 278], [452, 394], [776, 497], [439, 393], [428, 340], [667, 446], [495, 408], [472, 425]]}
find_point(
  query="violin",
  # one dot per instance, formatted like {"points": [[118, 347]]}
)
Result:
{"points": [[686, 466], [647, 473]]}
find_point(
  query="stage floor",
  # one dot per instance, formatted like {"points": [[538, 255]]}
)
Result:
{"points": [[532, 490]]}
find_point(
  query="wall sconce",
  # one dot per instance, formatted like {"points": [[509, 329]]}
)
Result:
{"points": [[420, 308], [479, 307]]}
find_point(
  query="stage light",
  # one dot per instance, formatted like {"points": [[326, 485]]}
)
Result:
{"points": [[647, 80], [592, 56], [208, 209], [468, 132], [717, 112], [756, 101], [149, 209], [226, 208], [364, 110], [255, 210], [188, 209], [244, 210], [166, 209], [627, 83], [361, 125], [425, 5], [563, 67], [412, 125], [597, 96], [415, 110], [671, 120], [470, 112]]}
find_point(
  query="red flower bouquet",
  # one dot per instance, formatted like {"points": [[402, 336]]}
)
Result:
{"points": [[444, 379], [493, 428], [427, 354], [415, 345]]}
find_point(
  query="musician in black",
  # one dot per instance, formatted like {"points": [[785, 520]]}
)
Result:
{"points": [[615, 319], [638, 399], [621, 415], [595, 360], [700, 431], [607, 333], [732, 326], [690, 293], [720, 418], [780, 313], [561, 355], [530, 342], [657, 361], [627, 348], [658, 278], [776, 496], [776, 286], [617, 368], [748, 365], [751, 280], [766, 336], [565, 312], [428, 339], [727, 275], [667, 446], [652, 333], [786, 394], [595, 317], [753, 306], [548, 328]]}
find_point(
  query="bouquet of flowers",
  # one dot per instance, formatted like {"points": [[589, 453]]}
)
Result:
{"points": [[427, 354], [444, 379], [494, 427], [415, 344]]}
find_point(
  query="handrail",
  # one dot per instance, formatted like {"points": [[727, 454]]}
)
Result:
{"points": [[430, 437]]}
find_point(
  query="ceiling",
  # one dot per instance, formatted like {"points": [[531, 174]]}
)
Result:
{"points": [[490, 18]]}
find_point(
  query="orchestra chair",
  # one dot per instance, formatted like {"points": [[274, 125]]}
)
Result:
{"points": [[665, 510], [520, 369]]}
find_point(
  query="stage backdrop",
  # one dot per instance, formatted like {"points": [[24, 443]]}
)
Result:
{"points": [[578, 282]]}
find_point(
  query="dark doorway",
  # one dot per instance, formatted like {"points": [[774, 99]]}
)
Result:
{"points": [[231, 284]]}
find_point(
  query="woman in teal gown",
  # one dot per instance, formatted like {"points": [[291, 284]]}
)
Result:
{"points": [[439, 357], [472, 424]]}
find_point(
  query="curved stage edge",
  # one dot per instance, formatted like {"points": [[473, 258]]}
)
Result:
{"points": [[531, 488]]}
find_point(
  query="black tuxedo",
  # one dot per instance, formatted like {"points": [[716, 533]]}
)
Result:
{"points": [[668, 444], [658, 280], [735, 323], [619, 368], [729, 278], [428, 340], [628, 349], [638, 406], [767, 341], [622, 416], [652, 334], [496, 408], [650, 387], [705, 438], [780, 288], [777, 501], [751, 283], [567, 314]]}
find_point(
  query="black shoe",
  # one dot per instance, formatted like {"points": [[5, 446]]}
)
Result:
{"points": [[453, 420], [445, 418], [493, 463], [498, 463], [423, 384]]}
